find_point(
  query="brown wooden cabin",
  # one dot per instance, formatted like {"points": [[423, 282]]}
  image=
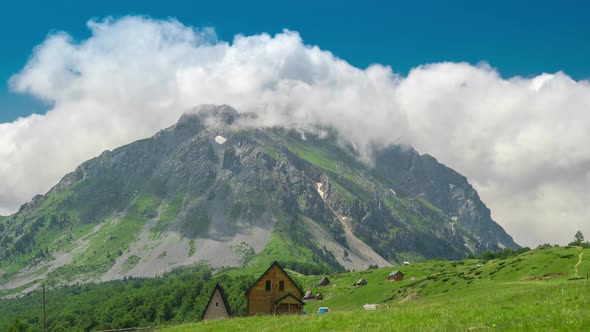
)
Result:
{"points": [[395, 276], [274, 293], [319, 297], [218, 306]]}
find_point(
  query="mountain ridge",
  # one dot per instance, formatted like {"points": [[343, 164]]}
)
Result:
{"points": [[185, 196]]}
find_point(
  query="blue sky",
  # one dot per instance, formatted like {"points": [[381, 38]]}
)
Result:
{"points": [[523, 38], [522, 142]]}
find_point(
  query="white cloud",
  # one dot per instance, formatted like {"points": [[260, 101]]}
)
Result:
{"points": [[521, 141]]}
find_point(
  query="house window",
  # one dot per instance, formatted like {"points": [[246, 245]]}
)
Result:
{"points": [[217, 304], [267, 287], [281, 286]]}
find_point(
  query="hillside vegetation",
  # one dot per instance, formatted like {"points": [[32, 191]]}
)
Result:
{"points": [[542, 289]]}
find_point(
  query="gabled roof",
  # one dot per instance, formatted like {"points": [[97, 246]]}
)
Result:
{"points": [[394, 273], [223, 297], [285, 272], [289, 295]]}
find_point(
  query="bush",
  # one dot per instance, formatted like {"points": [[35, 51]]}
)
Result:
{"points": [[19, 326], [502, 254]]}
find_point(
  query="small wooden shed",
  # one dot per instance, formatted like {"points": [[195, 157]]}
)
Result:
{"points": [[324, 281], [319, 296], [218, 306], [395, 276], [309, 296], [361, 282]]}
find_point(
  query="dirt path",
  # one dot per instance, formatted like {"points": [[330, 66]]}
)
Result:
{"points": [[578, 264], [356, 245]]}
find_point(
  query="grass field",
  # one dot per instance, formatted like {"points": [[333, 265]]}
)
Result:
{"points": [[540, 290]]}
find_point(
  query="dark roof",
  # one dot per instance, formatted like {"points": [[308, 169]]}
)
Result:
{"points": [[285, 272], [324, 279], [223, 296], [395, 272], [287, 295]]}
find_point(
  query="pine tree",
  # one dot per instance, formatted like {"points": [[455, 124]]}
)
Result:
{"points": [[578, 239]]}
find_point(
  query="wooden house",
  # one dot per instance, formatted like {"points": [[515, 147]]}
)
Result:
{"points": [[274, 293], [309, 296], [395, 276], [218, 306], [324, 282], [319, 297]]}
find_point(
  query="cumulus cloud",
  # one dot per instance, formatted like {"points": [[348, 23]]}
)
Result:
{"points": [[520, 141]]}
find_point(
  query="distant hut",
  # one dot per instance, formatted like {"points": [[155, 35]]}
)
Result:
{"points": [[274, 293], [361, 282], [217, 307], [406, 263], [324, 282], [395, 276], [308, 296], [319, 296]]}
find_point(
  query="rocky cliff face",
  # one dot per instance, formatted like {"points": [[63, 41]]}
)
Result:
{"points": [[425, 177], [206, 190]]}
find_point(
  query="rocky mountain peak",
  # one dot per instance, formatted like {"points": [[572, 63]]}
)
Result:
{"points": [[210, 115], [207, 190]]}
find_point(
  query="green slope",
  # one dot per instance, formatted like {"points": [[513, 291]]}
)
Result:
{"points": [[504, 294], [539, 307], [507, 294]]}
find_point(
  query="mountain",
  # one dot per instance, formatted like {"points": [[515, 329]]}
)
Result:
{"points": [[211, 190]]}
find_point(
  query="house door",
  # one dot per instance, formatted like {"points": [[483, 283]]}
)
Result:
{"points": [[282, 308]]}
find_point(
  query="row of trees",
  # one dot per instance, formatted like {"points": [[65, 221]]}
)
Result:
{"points": [[578, 241], [502, 254], [509, 252], [176, 298]]}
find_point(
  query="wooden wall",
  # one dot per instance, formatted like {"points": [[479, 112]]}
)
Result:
{"points": [[216, 308], [260, 301]]}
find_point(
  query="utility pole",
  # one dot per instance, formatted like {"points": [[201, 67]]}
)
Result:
{"points": [[44, 325]]}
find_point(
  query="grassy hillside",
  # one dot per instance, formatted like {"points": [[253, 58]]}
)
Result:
{"points": [[529, 307], [542, 289], [536, 290]]}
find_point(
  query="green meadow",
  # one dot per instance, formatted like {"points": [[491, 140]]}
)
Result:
{"points": [[539, 290], [519, 290]]}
